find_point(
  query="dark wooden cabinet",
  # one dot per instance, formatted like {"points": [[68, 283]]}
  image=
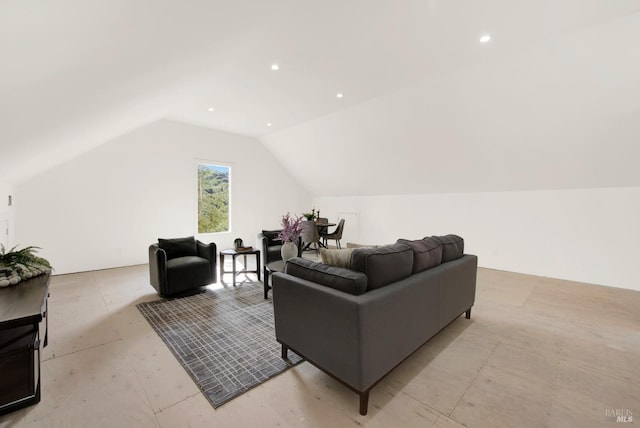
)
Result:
{"points": [[23, 333], [19, 358]]}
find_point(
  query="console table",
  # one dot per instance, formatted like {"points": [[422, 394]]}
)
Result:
{"points": [[23, 307], [234, 254]]}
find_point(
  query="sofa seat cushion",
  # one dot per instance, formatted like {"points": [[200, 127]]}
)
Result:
{"points": [[342, 279], [452, 247], [427, 253], [178, 247], [383, 265], [189, 270]]}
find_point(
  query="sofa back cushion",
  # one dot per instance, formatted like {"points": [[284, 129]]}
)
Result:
{"points": [[342, 279], [178, 247], [427, 253], [452, 247], [383, 265]]}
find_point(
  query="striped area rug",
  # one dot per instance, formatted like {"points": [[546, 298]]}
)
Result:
{"points": [[225, 339]]}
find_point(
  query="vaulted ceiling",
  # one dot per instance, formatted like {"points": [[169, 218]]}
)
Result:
{"points": [[551, 101]]}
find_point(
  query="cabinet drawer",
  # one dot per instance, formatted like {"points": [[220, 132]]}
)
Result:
{"points": [[19, 364]]}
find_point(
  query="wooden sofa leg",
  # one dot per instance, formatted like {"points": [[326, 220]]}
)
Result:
{"points": [[364, 402], [284, 352], [467, 314]]}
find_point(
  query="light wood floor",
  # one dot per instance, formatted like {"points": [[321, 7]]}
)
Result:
{"points": [[537, 353]]}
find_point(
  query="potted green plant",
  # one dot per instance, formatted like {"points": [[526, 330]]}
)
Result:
{"points": [[310, 216], [16, 265]]}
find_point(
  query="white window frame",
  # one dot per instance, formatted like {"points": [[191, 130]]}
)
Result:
{"points": [[215, 163]]}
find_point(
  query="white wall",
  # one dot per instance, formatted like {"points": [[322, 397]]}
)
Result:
{"points": [[586, 235], [103, 208], [6, 216]]}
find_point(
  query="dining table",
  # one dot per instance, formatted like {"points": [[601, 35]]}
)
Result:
{"points": [[322, 227]]}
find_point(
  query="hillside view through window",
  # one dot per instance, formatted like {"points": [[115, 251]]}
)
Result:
{"points": [[213, 198]]}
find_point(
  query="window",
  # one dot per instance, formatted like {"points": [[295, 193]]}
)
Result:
{"points": [[213, 198]]}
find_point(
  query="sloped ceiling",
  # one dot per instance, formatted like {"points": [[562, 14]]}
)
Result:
{"points": [[549, 102]]}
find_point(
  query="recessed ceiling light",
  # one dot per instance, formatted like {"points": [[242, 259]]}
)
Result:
{"points": [[275, 67], [339, 95], [485, 38], [210, 109], [269, 124]]}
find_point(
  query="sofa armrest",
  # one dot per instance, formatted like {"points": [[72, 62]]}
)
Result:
{"points": [[458, 292], [311, 319], [209, 252], [158, 268]]}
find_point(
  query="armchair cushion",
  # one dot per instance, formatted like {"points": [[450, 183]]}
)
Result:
{"points": [[273, 253], [179, 247], [183, 272]]}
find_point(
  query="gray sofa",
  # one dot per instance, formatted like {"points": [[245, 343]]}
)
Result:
{"points": [[358, 323]]}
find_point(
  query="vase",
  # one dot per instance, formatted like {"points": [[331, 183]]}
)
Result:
{"points": [[288, 250]]}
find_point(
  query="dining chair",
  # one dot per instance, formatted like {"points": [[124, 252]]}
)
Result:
{"points": [[322, 230], [310, 235], [336, 235]]}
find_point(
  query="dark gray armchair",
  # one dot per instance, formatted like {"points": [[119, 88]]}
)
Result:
{"points": [[270, 245], [181, 264]]}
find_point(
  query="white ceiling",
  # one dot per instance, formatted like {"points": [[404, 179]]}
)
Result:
{"points": [[556, 88]]}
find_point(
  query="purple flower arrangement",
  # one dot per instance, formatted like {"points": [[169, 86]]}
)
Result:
{"points": [[291, 228]]}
